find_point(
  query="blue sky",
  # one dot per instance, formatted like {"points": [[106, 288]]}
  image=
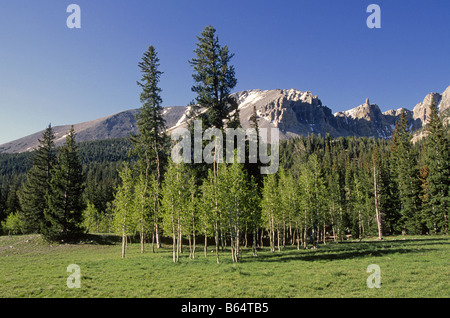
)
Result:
{"points": [[52, 74]]}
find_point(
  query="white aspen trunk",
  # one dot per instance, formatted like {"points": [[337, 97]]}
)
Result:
{"points": [[272, 236], [254, 241], [158, 180], [193, 236], [237, 245], [174, 237], [292, 234], [174, 242], [158, 243], [142, 240], [193, 245], [174, 247], [313, 235], [324, 234], [124, 238], [216, 229], [278, 240], [261, 243], [206, 245], [233, 248], [305, 244], [190, 246], [180, 242], [153, 241], [217, 243]]}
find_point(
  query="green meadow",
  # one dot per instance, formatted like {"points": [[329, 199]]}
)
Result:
{"points": [[415, 266]]}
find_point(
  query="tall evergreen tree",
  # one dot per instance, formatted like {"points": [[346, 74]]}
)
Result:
{"points": [[37, 184], [438, 177], [151, 143], [214, 79], [388, 203], [64, 213], [406, 174]]}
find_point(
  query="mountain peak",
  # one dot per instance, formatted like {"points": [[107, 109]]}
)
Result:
{"points": [[293, 111], [364, 111]]}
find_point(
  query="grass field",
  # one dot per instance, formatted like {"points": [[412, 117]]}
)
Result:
{"points": [[410, 267]]}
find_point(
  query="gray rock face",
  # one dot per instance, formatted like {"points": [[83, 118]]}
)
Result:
{"points": [[421, 110], [294, 112]]}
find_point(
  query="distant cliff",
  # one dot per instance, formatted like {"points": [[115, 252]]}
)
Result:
{"points": [[292, 111]]}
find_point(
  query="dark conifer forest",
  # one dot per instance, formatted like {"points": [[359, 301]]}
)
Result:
{"points": [[326, 189]]}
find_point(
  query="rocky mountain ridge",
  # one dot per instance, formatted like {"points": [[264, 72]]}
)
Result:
{"points": [[294, 112]]}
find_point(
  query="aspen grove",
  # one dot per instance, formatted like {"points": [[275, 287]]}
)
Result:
{"points": [[326, 189]]}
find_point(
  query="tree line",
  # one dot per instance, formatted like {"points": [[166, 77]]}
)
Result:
{"points": [[100, 162], [326, 188]]}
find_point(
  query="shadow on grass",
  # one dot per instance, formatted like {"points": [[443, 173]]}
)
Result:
{"points": [[347, 250], [99, 239]]}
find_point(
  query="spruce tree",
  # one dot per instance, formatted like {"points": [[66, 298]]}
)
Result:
{"points": [[65, 204], [388, 202], [214, 79], [151, 143], [438, 177], [406, 174], [37, 185]]}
